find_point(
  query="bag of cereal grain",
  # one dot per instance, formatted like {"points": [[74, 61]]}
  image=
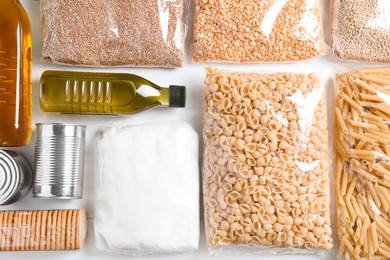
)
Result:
{"points": [[114, 33], [360, 30]]}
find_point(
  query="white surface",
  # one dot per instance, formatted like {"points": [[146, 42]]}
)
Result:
{"points": [[192, 76]]}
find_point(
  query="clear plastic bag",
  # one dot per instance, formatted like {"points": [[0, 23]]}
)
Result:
{"points": [[265, 175], [27, 230], [257, 30], [362, 165], [114, 33], [147, 189], [360, 29]]}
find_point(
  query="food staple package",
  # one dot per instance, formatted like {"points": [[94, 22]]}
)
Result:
{"points": [[360, 29], [362, 164], [257, 30], [265, 175], [28, 230], [147, 189], [115, 32]]}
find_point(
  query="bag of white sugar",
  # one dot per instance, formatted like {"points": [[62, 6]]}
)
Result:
{"points": [[147, 189]]}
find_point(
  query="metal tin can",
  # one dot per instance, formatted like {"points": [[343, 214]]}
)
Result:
{"points": [[59, 161], [15, 177]]}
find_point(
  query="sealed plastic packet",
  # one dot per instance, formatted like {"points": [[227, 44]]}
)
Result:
{"points": [[360, 30], [114, 33], [362, 164], [265, 174], [257, 30], [29, 230], [147, 189]]}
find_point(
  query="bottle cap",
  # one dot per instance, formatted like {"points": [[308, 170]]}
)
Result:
{"points": [[177, 96]]}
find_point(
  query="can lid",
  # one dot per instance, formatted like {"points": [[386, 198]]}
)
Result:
{"points": [[9, 177], [60, 129], [177, 96]]}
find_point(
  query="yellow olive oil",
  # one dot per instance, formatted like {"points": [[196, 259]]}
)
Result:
{"points": [[104, 93], [15, 75]]}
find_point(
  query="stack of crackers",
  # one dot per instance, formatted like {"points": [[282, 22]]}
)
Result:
{"points": [[42, 230]]}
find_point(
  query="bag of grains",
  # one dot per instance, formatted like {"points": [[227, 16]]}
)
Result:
{"points": [[265, 173], [114, 32], [147, 189], [257, 30], [360, 29], [362, 163]]}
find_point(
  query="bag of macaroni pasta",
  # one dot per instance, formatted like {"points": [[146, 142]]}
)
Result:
{"points": [[362, 163], [265, 175]]}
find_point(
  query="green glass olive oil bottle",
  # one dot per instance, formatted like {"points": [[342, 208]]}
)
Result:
{"points": [[104, 93]]}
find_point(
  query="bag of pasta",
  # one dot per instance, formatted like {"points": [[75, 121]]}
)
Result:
{"points": [[265, 175], [362, 165]]}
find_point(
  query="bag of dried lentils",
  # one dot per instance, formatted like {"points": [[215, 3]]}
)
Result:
{"points": [[257, 30], [265, 174]]}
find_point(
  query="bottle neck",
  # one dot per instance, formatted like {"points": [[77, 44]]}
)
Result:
{"points": [[164, 96]]}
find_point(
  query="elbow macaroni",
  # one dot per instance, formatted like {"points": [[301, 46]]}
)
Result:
{"points": [[265, 174], [362, 165]]}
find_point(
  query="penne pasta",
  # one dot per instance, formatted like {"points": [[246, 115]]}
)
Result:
{"points": [[351, 102], [363, 125], [364, 138], [374, 194], [384, 251], [382, 198], [369, 97], [356, 207], [351, 210], [351, 188], [374, 236], [363, 232], [362, 168]]}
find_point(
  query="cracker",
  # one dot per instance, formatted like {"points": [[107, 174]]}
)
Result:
{"points": [[42, 243], [31, 219], [19, 236], [49, 225], [73, 231], [58, 230], [16, 231], [53, 239], [9, 225], [68, 235], [24, 227], [81, 226], [38, 225], [2, 230], [64, 214]]}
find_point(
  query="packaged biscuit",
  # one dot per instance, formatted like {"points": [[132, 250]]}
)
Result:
{"points": [[27, 230]]}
